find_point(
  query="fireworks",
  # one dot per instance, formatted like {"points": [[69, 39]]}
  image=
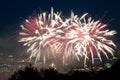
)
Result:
{"points": [[49, 36]]}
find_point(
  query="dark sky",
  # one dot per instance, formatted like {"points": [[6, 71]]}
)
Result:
{"points": [[13, 12]]}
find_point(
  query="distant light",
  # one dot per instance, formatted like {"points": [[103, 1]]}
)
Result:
{"points": [[96, 58], [10, 56], [108, 65]]}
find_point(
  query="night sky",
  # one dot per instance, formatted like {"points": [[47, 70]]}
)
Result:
{"points": [[14, 12]]}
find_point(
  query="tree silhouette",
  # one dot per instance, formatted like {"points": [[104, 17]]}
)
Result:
{"points": [[31, 73], [51, 74]]}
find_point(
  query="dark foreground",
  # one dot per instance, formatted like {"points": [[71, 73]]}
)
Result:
{"points": [[30, 73]]}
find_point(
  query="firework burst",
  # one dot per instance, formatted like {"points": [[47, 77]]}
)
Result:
{"points": [[88, 38], [48, 35]]}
